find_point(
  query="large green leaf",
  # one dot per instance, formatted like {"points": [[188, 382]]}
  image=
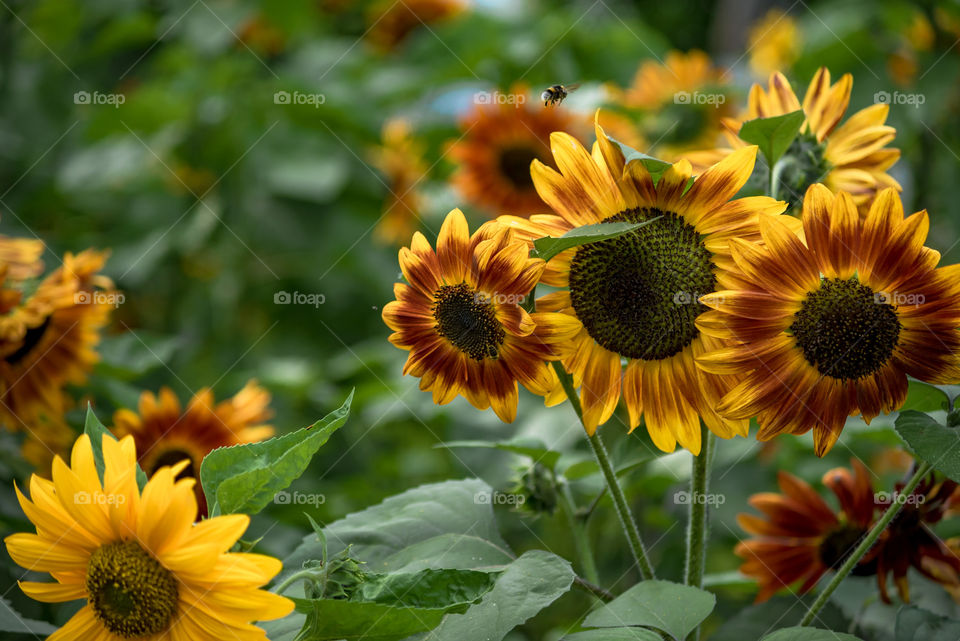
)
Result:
{"points": [[329, 619], [425, 589], [245, 478], [529, 584], [924, 397], [534, 448], [93, 428], [916, 624], [773, 135], [936, 444], [548, 246], [12, 621], [674, 608], [615, 634], [809, 634]]}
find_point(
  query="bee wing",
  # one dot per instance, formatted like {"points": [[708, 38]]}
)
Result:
{"points": [[571, 88]]}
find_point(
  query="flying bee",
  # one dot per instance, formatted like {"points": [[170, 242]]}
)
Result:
{"points": [[555, 94]]}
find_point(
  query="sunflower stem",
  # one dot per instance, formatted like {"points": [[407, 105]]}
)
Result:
{"points": [[868, 542], [610, 477], [698, 525], [578, 528]]}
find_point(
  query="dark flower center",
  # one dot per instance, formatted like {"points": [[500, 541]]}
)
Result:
{"points": [[172, 457], [130, 592], [467, 319], [637, 294], [845, 329], [839, 544], [515, 165], [31, 339]]}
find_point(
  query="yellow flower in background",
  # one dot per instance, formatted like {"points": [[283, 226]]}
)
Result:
{"points": [[21, 256], [390, 22], [501, 136], [831, 327], [673, 106], [145, 569], [637, 294], [460, 317], [774, 43], [166, 434], [48, 339], [401, 160]]}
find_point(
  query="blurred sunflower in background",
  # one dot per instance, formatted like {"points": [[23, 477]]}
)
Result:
{"points": [[501, 135], [391, 22], [800, 537], [831, 327], [166, 433], [774, 42], [637, 294], [459, 316], [144, 568], [401, 159], [672, 106]]}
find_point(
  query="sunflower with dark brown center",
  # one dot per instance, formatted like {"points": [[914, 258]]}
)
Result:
{"points": [[501, 137], [831, 327], [461, 318], [637, 295], [802, 537]]}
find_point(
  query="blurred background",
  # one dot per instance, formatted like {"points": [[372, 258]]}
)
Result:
{"points": [[253, 167]]}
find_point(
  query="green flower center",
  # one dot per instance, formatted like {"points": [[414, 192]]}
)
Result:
{"points": [[845, 329], [802, 165], [467, 319], [514, 165], [130, 592], [637, 294]]}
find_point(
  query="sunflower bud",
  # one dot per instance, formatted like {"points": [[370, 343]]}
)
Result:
{"points": [[537, 484]]}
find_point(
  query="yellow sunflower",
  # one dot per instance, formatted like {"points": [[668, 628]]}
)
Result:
{"points": [[21, 257], [166, 434], [500, 139], [637, 295], [673, 107], [391, 21], [831, 328], [774, 42], [460, 317], [49, 340], [400, 158], [851, 157], [144, 568]]}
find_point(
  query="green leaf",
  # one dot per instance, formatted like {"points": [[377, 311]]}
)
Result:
{"points": [[773, 135], [12, 621], [426, 588], [448, 550], [614, 634], [534, 448], [916, 624], [754, 621], [93, 428], [931, 441], [924, 397], [676, 609], [809, 634], [548, 246], [330, 619], [245, 478], [589, 467], [655, 166], [529, 584]]}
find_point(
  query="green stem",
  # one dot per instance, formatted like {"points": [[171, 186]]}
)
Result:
{"points": [[595, 590], [310, 574], [697, 524], [578, 528], [868, 541], [610, 477]]}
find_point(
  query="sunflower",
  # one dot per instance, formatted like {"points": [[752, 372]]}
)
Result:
{"points": [[802, 537], [460, 318], [21, 256], [637, 294], [400, 158], [677, 105], [166, 434], [832, 327], [47, 341], [391, 21], [910, 541], [500, 138], [774, 42], [143, 566], [851, 157]]}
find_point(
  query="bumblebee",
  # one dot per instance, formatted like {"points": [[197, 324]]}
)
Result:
{"points": [[555, 94]]}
